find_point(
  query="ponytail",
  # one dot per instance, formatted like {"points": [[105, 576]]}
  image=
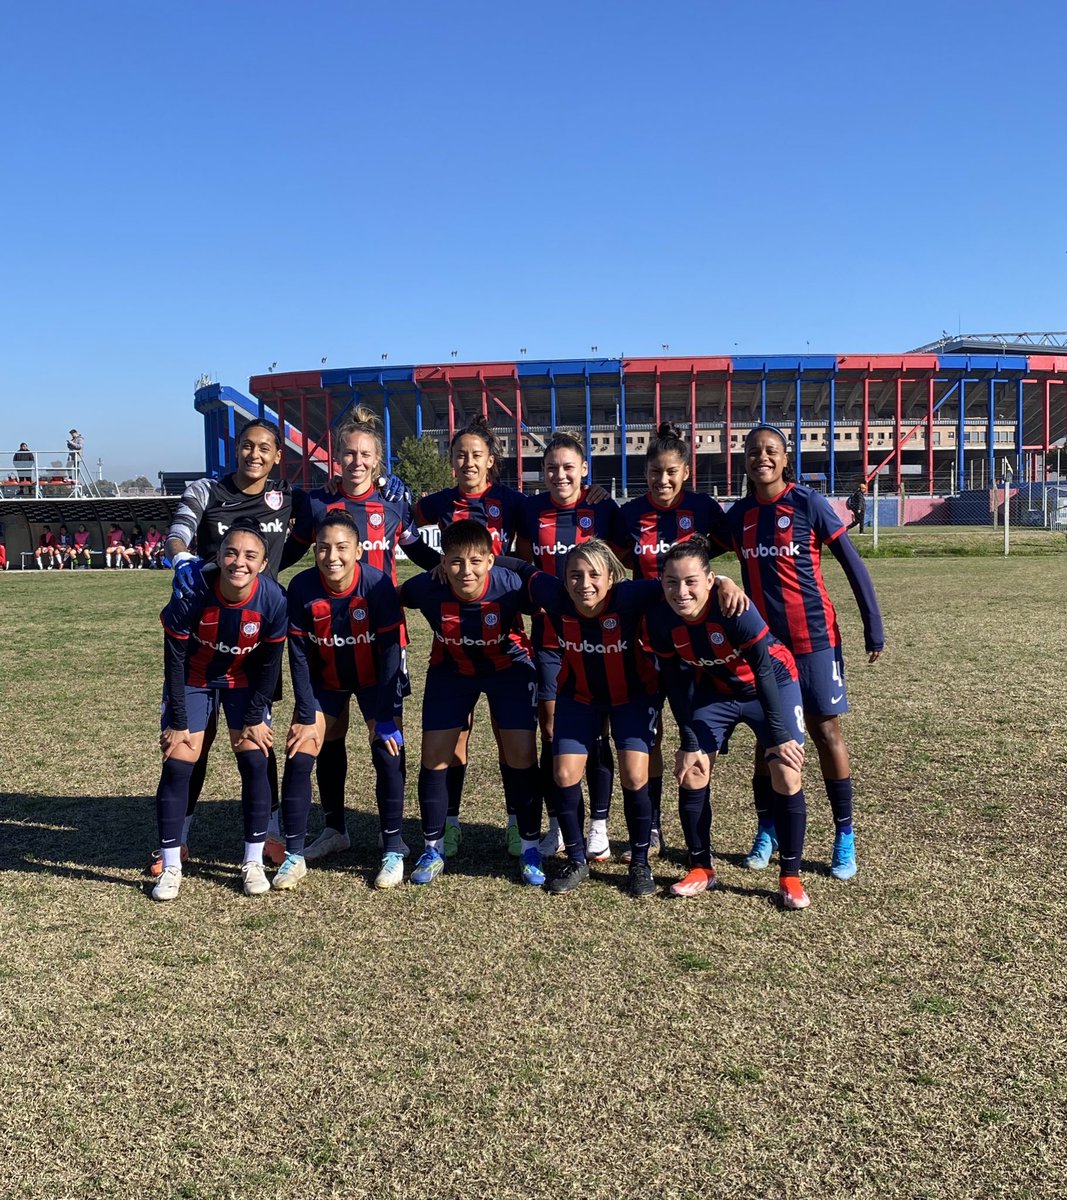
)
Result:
{"points": [[668, 440]]}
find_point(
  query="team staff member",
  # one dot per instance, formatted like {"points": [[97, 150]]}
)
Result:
{"points": [[344, 641], [207, 509], [384, 525], [649, 526], [222, 649], [718, 671], [778, 531], [478, 648], [548, 526]]}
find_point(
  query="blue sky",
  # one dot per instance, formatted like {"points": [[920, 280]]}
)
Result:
{"points": [[215, 187]]}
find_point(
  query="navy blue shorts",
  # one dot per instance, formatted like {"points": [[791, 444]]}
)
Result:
{"points": [[822, 681], [333, 703], [202, 708], [450, 698], [578, 726], [715, 718], [548, 665]]}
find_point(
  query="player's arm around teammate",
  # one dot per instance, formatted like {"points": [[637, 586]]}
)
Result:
{"points": [[344, 641], [222, 648]]}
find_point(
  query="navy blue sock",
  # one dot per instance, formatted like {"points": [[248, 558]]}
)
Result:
{"points": [[196, 780], [390, 772], [694, 812], [548, 784], [790, 821], [571, 825], [763, 798], [655, 797], [600, 779], [509, 805], [331, 770], [255, 793], [172, 799], [456, 773], [272, 779], [522, 798], [296, 800], [638, 809], [840, 793], [433, 802]]}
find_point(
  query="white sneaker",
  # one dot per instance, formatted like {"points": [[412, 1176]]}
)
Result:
{"points": [[290, 873], [552, 843], [330, 841], [168, 885], [391, 874], [597, 846], [254, 878]]}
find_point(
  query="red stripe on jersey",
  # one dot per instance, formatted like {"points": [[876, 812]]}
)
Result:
{"points": [[796, 616], [547, 536], [781, 653], [573, 663], [322, 627], [359, 620], [646, 557], [750, 561], [207, 630], [614, 651], [376, 555], [828, 611], [452, 630]]}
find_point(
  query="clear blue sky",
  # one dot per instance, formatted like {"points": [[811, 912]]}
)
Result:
{"points": [[215, 187]]}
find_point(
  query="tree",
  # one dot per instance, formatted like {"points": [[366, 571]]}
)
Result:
{"points": [[140, 484], [105, 487], [420, 465]]}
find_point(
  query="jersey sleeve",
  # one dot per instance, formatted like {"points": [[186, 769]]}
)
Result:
{"points": [[277, 623], [412, 592], [546, 592], [824, 521], [177, 617], [718, 531], [190, 512], [387, 612]]}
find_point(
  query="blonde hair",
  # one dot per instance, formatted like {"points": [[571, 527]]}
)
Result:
{"points": [[597, 552], [362, 421]]}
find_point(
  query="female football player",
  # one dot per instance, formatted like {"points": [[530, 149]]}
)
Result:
{"points": [[222, 649], [718, 671], [778, 531]]}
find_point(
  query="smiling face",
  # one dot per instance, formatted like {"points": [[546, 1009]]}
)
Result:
{"points": [[467, 568], [242, 556], [687, 584], [472, 463], [564, 472], [360, 462], [666, 475], [337, 550], [765, 460], [257, 455], [588, 582]]}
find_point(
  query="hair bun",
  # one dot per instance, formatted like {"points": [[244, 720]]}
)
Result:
{"points": [[667, 430]]}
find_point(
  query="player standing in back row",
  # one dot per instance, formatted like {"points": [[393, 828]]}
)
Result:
{"points": [[778, 531]]}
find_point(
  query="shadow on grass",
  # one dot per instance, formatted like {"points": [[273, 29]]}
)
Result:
{"points": [[89, 837]]}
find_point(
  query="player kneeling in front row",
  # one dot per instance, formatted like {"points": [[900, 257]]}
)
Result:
{"points": [[223, 648], [344, 641], [479, 648], [719, 671]]}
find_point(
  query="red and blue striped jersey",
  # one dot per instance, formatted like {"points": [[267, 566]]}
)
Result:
{"points": [[496, 508], [473, 637], [648, 530], [714, 646], [779, 543], [339, 630], [223, 639], [382, 524], [604, 661]]}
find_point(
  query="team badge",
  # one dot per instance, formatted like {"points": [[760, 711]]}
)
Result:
{"points": [[490, 619], [585, 522], [610, 623], [494, 510], [249, 628], [273, 500], [359, 614], [685, 522], [376, 519], [783, 522], [717, 639]]}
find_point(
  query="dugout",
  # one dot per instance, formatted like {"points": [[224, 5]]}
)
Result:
{"points": [[21, 521]]}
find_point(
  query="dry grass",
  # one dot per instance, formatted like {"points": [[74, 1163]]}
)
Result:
{"points": [[903, 1037]]}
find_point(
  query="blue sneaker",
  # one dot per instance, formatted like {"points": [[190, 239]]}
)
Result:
{"points": [[429, 866], [843, 862], [764, 845], [531, 867]]}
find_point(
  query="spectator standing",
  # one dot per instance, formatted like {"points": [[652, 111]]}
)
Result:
{"points": [[75, 446], [23, 460], [857, 506]]}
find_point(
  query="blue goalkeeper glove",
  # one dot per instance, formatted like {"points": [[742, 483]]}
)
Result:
{"points": [[386, 731], [394, 488], [188, 574]]}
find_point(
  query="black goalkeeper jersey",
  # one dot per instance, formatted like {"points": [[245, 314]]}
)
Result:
{"points": [[209, 507]]}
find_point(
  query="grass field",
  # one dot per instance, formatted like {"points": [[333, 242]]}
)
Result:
{"points": [[903, 1037]]}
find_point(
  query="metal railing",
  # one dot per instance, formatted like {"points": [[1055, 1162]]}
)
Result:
{"points": [[31, 475]]}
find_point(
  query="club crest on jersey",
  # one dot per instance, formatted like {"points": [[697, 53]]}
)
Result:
{"points": [[250, 628], [359, 614], [685, 522], [491, 619], [493, 510], [273, 500], [783, 521], [610, 623], [584, 522], [375, 519], [717, 639]]}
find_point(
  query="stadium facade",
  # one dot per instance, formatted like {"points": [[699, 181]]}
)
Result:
{"points": [[939, 421]]}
